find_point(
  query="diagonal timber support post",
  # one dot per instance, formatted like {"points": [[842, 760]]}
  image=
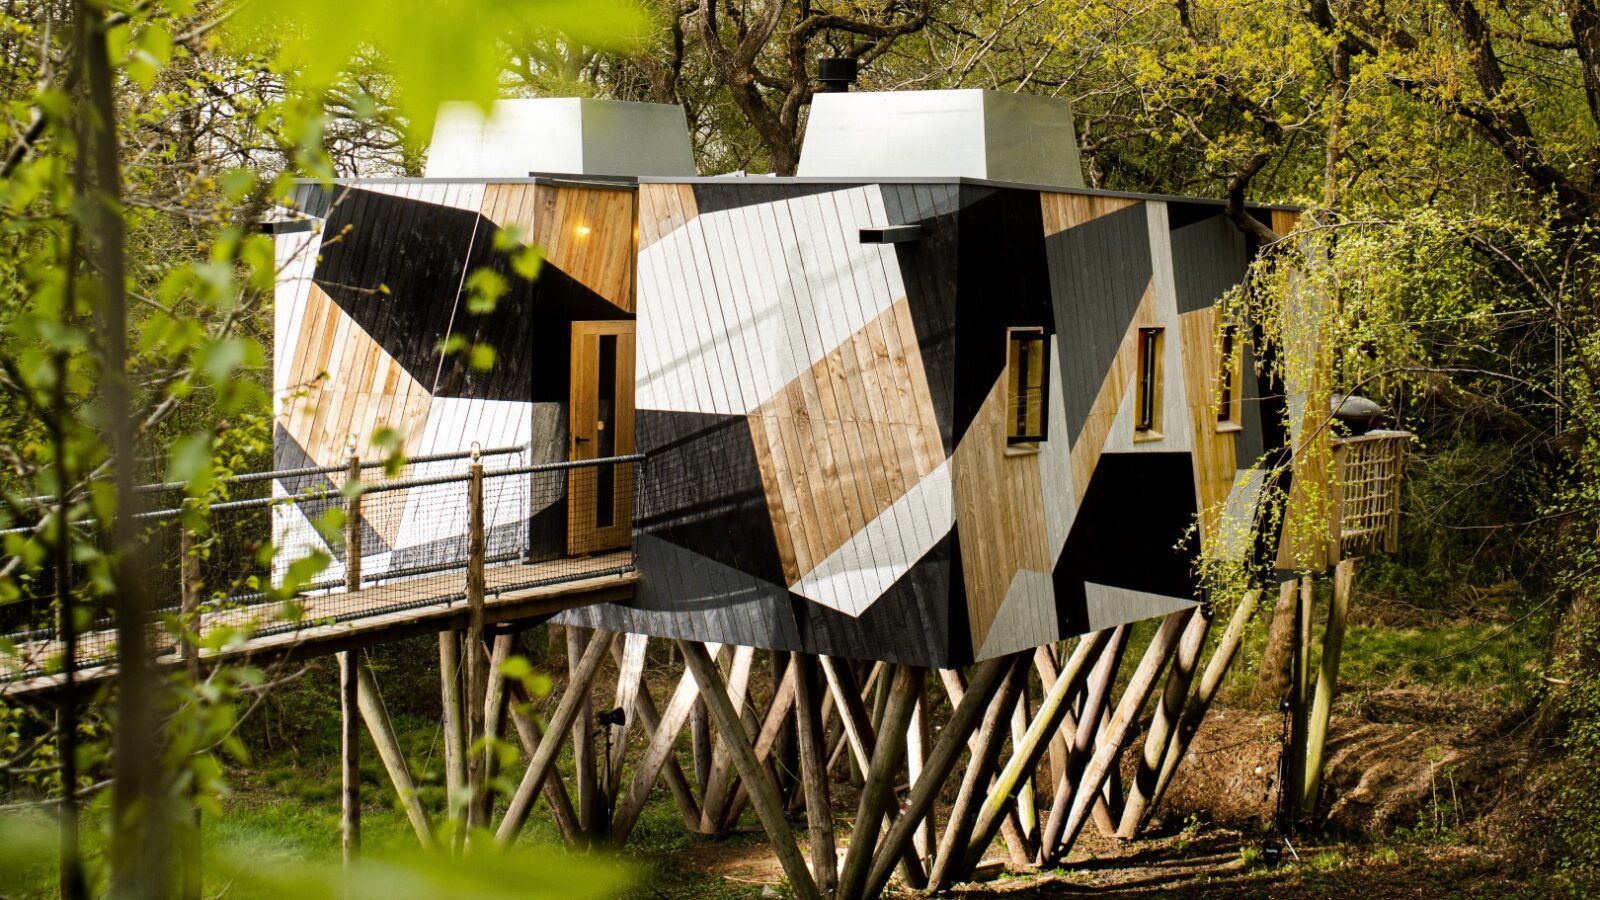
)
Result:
{"points": [[455, 731], [1058, 837], [670, 771], [809, 731], [995, 712], [1327, 684], [768, 740], [659, 755], [550, 746], [394, 759], [1052, 709], [555, 793], [905, 692], [1194, 712], [980, 697], [1166, 715], [763, 793]]}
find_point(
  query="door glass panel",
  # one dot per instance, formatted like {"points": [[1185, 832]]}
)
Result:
{"points": [[605, 432]]}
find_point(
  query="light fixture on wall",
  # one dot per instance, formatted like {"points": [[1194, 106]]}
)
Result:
{"points": [[583, 230]]}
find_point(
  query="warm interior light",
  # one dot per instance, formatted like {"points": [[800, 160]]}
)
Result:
{"points": [[583, 230]]}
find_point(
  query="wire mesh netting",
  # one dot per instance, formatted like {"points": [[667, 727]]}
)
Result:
{"points": [[297, 548]]}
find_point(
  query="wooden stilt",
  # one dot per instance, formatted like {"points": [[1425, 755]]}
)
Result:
{"points": [[1010, 830], [1173, 693], [785, 758], [495, 703], [843, 747], [1299, 699], [905, 690], [853, 716], [657, 754], [455, 731], [394, 759], [539, 766], [714, 803], [472, 654], [555, 793], [700, 743], [986, 745], [1044, 661], [670, 771], [1108, 804], [919, 739], [1194, 711], [941, 762], [1327, 684], [1034, 744], [349, 758], [1057, 840], [630, 659], [1100, 684], [1027, 809], [189, 588], [807, 678], [767, 742], [763, 794], [584, 774]]}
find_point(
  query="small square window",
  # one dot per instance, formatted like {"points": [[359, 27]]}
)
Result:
{"points": [[1147, 400], [1027, 385]]}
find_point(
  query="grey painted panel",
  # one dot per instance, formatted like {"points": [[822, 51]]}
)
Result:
{"points": [[1113, 606], [1099, 272], [1209, 257]]}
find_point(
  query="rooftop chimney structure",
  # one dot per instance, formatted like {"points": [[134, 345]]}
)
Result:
{"points": [[993, 135], [566, 135]]}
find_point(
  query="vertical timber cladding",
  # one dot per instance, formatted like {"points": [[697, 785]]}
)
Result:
{"points": [[364, 308], [792, 385], [1083, 531]]}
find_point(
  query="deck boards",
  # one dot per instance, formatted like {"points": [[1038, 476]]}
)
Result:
{"points": [[513, 592]]}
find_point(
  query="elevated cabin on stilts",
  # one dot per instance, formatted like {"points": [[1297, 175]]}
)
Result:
{"points": [[930, 405]]}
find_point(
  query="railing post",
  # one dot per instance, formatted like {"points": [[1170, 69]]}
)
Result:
{"points": [[349, 756], [189, 644], [473, 652], [352, 521]]}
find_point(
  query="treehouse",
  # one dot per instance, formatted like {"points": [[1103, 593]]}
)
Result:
{"points": [[931, 401]]}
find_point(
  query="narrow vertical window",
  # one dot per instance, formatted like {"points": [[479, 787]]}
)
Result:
{"points": [[1027, 385], [1229, 378], [1147, 400]]}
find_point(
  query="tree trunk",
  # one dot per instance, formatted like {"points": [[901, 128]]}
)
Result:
{"points": [[1272, 681]]}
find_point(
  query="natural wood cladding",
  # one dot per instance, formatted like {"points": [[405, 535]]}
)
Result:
{"points": [[351, 385], [1285, 220], [1063, 211], [1118, 381], [1215, 453], [587, 233], [844, 440], [999, 503], [663, 208]]}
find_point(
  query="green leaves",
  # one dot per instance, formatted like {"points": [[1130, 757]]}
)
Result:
{"points": [[435, 50]]}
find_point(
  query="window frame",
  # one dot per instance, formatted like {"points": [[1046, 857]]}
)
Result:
{"points": [[1229, 372], [1017, 440], [1148, 387]]}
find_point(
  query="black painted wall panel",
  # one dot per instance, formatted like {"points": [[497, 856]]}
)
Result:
{"points": [[1099, 272], [1137, 511], [1003, 282]]}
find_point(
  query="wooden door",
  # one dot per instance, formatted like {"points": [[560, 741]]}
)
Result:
{"points": [[600, 425]]}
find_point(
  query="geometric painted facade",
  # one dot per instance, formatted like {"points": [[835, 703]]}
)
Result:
{"points": [[824, 420]]}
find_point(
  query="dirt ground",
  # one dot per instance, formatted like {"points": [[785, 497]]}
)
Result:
{"points": [[1202, 861]]}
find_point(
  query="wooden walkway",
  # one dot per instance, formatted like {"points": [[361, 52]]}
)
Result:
{"points": [[343, 620]]}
